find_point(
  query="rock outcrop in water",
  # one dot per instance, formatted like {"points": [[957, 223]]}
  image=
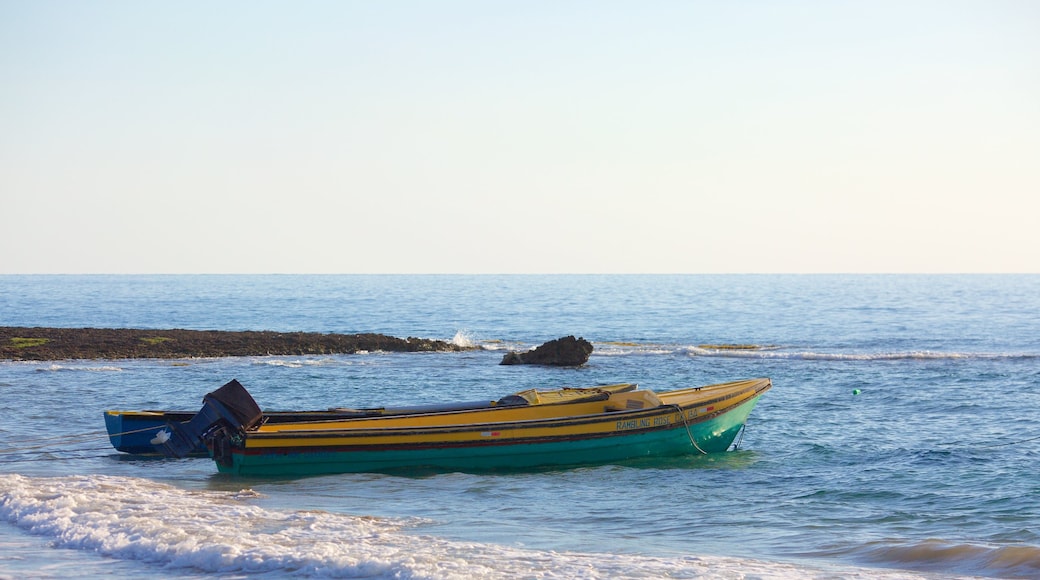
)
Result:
{"points": [[562, 352], [21, 343]]}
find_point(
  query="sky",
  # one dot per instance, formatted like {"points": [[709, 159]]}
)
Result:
{"points": [[528, 136]]}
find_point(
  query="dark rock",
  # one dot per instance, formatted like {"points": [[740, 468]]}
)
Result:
{"points": [[512, 358], [562, 352], [19, 343]]}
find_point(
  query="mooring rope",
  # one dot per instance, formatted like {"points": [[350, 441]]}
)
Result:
{"points": [[1007, 444], [7, 460], [71, 438], [134, 431], [686, 424], [740, 436], [60, 437]]}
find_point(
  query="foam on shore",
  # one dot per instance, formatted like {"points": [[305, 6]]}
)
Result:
{"points": [[229, 533]]}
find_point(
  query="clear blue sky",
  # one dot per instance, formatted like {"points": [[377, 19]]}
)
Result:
{"points": [[519, 136]]}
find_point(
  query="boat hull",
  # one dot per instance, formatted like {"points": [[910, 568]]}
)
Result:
{"points": [[706, 423], [133, 431]]}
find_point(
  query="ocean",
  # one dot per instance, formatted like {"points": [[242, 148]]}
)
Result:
{"points": [[900, 440]]}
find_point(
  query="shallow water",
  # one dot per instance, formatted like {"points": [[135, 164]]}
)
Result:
{"points": [[929, 471]]}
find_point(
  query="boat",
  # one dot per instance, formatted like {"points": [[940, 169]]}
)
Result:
{"points": [[136, 432], [563, 427], [133, 431], [531, 429]]}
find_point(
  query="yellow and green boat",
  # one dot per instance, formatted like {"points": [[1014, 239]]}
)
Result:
{"points": [[531, 429]]}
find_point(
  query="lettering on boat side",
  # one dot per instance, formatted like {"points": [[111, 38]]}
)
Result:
{"points": [[643, 423], [490, 433]]}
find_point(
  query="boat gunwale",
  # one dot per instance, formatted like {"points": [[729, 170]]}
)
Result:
{"points": [[486, 442], [756, 388]]}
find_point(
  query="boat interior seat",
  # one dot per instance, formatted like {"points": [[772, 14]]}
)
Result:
{"points": [[633, 401]]}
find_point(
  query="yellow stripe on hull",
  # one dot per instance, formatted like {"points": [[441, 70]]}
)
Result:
{"points": [[610, 417]]}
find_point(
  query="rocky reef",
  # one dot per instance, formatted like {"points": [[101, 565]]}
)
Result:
{"points": [[24, 343]]}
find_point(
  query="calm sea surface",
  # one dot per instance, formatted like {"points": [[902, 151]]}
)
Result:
{"points": [[901, 438]]}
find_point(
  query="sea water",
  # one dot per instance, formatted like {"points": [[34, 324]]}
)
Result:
{"points": [[900, 440]]}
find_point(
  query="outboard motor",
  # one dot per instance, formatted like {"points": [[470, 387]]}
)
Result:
{"points": [[229, 406]]}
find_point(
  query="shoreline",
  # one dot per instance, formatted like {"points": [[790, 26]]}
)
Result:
{"points": [[41, 343]]}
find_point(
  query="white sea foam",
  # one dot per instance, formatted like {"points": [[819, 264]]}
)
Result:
{"points": [[55, 367], [463, 339], [279, 363], [787, 353], [778, 353], [466, 339], [226, 532], [295, 363], [497, 344], [629, 348]]}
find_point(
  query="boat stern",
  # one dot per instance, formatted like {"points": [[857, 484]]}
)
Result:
{"points": [[230, 406]]}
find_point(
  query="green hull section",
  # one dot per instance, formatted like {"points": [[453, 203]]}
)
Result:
{"points": [[712, 435]]}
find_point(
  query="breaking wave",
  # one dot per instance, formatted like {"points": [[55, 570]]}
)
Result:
{"points": [[1010, 561], [296, 363], [463, 339], [55, 367], [228, 533], [765, 352], [779, 353]]}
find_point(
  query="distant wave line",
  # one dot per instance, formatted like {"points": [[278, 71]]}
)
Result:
{"points": [[861, 356], [55, 367], [781, 353]]}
